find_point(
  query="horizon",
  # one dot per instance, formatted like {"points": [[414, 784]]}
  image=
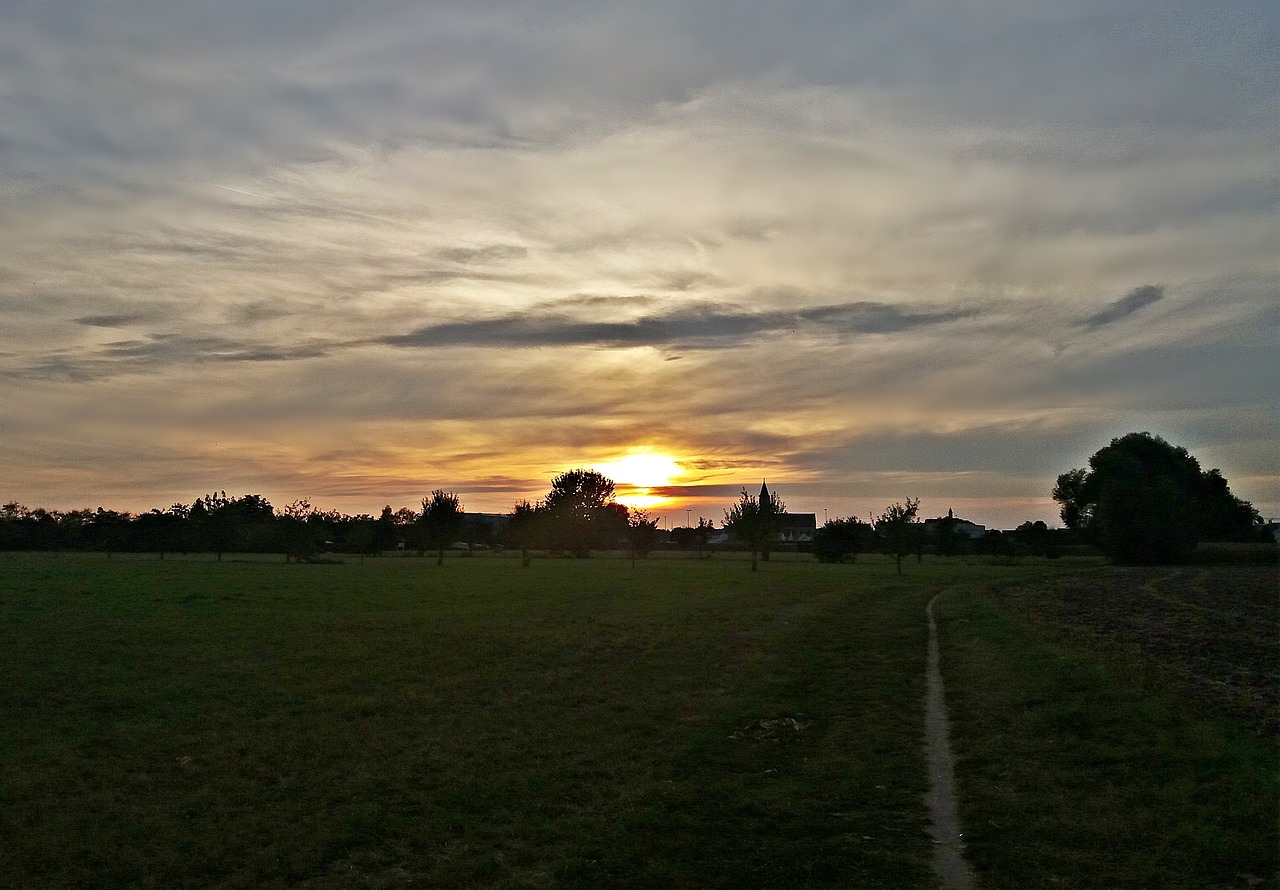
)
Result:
{"points": [[669, 514], [933, 250]]}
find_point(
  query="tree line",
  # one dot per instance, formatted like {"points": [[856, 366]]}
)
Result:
{"points": [[578, 515], [1141, 500]]}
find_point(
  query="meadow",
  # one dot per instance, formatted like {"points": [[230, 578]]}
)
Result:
{"points": [[586, 723]]}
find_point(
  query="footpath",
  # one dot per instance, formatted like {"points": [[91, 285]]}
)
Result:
{"points": [[949, 864]]}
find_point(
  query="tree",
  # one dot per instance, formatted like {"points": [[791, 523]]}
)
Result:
{"points": [[841, 539], [899, 528], [702, 535], [642, 534], [157, 530], [1035, 537], [227, 523], [1143, 501], [755, 521], [107, 529], [297, 536], [581, 513], [441, 521], [385, 531], [525, 528], [362, 536], [1221, 516]]}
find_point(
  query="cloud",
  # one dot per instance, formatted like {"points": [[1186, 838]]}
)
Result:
{"points": [[1136, 299], [713, 326], [155, 353], [487, 254], [116, 319]]}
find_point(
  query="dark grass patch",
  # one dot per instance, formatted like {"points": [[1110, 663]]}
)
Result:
{"points": [[579, 723], [1211, 633], [1077, 765]]}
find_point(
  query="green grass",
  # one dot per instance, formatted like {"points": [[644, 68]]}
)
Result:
{"points": [[575, 724], [1099, 765], [204, 724]]}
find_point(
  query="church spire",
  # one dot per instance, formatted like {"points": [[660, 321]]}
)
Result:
{"points": [[764, 492]]}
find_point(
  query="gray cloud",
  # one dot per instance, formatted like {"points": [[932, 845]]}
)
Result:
{"points": [[1136, 299], [116, 319], [156, 352], [700, 327], [489, 254]]}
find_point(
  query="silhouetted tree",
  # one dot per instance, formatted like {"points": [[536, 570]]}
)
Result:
{"points": [[693, 537], [581, 512], [755, 521], [1035, 537], [525, 528], [841, 539], [1144, 501], [362, 536], [642, 534], [702, 535], [385, 536], [20, 528], [296, 532], [1221, 516], [158, 531], [106, 530], [898, 527], [441, 521], [231, 523]]}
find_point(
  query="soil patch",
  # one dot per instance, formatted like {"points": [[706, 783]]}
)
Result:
{"points": [[1213, 631]]}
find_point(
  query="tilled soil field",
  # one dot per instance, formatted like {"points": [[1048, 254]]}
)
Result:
{"points": [[1211, 631]]}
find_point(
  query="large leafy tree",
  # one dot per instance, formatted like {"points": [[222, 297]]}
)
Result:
{"points": [[441, 521], [1143, 501], [581, 514], [159, 530], [230, 523], [755, 521]]}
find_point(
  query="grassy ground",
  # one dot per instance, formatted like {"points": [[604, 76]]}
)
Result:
{"points": [[1118, 730], [576, 723]]}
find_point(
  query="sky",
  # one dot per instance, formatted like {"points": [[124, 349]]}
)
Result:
{"points": [[355, 252]]}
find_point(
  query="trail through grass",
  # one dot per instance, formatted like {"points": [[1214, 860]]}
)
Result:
{"points": [[575, 724]]}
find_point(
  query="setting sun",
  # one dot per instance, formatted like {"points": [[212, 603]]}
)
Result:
{"points": [[637, 474]]}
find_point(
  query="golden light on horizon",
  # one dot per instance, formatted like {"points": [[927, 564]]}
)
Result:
{"points": [[637, 474]]}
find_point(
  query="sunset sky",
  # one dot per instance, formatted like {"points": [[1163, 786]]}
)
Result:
{"points": [[357, 251]]}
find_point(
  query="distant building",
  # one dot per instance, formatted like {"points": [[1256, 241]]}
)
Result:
{"points": [[952, 524], [796, 528]]}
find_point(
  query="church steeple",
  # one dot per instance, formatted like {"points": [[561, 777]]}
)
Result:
{"points": [[764, 492]]}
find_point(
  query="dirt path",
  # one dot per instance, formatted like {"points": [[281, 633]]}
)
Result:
{"points": [[949, 864]]}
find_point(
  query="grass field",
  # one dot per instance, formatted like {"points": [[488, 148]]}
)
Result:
{"points": [[584, 724]]}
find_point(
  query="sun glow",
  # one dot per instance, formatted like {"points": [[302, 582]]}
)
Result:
{"points": [[637, 474]]}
